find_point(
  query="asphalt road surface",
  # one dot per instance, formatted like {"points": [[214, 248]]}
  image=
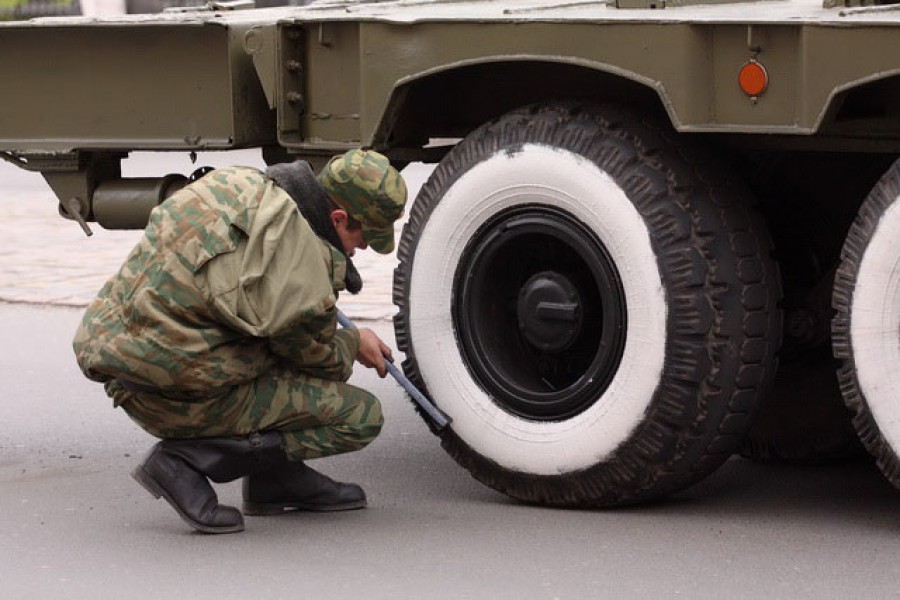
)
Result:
{"points": [[73, 524]]}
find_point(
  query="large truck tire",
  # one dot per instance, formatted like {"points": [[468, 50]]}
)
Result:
{"points": [[593, 304], [866, 328]]}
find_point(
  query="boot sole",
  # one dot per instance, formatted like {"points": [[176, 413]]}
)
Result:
{"points": [[147, 481], [259, 509]]}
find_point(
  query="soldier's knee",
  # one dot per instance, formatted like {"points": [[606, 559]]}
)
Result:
{"points": [[376, 416], [366, 421], [373, 420]]}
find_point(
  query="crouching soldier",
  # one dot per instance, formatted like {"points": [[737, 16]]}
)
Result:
{"points": [[219, 335]]}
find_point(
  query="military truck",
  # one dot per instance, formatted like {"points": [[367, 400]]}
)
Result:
{"points": [[659, 232]]}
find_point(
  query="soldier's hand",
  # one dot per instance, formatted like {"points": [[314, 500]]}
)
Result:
{"points": [[372, 351]]}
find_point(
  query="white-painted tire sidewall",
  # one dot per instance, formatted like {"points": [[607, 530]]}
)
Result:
{"points": [[875, 325], [537, 174]]}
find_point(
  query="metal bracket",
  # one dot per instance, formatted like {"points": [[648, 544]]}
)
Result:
{"points": [[73, 207]]}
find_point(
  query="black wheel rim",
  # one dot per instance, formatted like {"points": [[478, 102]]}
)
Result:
{"points": [[539, 313]]}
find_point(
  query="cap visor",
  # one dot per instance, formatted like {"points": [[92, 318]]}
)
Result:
{"points": [[380, 240]]}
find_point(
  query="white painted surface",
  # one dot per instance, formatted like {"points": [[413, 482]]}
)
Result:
{"points": [[543, 175], [875, 325], [586, 11]]}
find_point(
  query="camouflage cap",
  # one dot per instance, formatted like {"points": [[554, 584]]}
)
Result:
{"points": [[364, 183]]}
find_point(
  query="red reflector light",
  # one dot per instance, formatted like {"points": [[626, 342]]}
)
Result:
{"points": [[753, 78]]}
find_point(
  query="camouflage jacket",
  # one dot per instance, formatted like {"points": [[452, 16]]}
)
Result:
{"points": [[228, 280]]}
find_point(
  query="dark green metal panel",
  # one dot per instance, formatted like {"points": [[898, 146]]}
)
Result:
{"points": [[130, 86], [335, 77], [692, 67]]}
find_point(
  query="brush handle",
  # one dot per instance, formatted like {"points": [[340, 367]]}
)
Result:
{"points": [[438, 419]]}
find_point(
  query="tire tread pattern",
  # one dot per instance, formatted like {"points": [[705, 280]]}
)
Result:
{"points": [[885, 193], [714, 255]]}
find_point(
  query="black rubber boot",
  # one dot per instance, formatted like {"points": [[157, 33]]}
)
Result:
{"points": [[166, 474], [282, 485], [177, 470]]}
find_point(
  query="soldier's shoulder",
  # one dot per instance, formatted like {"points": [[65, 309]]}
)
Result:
{"points": [[231, 178], [232, 189]]}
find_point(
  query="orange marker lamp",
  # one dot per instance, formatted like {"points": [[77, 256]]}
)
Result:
{"points": [[753, 78]]}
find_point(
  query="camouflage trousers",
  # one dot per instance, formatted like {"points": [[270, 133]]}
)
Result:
{"points": [[316, 417]]}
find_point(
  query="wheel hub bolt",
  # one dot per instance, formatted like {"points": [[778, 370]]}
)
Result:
{"points": [[549, 311]]}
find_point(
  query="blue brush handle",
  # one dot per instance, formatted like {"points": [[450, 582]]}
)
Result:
{"points": [[438, 419]]}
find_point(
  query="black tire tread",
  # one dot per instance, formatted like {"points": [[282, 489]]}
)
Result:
{"points": [[713, 254], [885, 193]]}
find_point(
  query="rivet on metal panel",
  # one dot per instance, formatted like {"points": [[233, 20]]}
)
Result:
{"points": [[296, 98]]}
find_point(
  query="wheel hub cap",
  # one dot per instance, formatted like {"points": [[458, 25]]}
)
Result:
{"points": [[549, 311], [539, 313]]}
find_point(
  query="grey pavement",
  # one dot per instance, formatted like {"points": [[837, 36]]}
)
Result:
{"points": [[74, 525], [45, 259]]}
